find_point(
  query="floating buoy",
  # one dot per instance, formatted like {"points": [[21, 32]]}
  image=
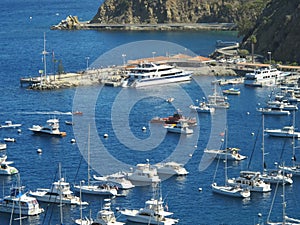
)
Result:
{"points": [[200, 189], [248, 113], [39, 151], [73, 140], [252, 133], [19, 130], [30, 17], [105, 135], [144, 128], [196, 146], [259, 215], [190, 155]]}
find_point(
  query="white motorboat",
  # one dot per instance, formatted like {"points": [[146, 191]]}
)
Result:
{"points": [[265, 76], [3, 146], [250, 180], [232, 91], [202, 108], [6, 169], [286, 131], [51, 128], [282, 105], [171, 168], [8, 139], [106, 216], [235, 191], [180, 128], [118, 179], [273, 111], [147, 74], [9, 124], [144, 174], [153, 212], [19, 203], [58, 193], [230, 153]]}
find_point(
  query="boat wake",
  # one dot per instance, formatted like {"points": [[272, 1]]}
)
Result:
{"points": [[47, 113]]}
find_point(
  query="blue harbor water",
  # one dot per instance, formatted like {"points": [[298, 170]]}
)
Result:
{"points": [[23, 24]]}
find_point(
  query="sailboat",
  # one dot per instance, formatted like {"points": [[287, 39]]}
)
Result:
{"points": [[97, 189], [285, 219], [272, 176], [234, 191], [82, 221], [295, 168]]}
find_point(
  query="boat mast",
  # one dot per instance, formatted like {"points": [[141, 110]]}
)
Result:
{"points": [[89, 158], [60, 194], [226, 176], [293, 141], [263, 142], [44, 57], [283, 199]]}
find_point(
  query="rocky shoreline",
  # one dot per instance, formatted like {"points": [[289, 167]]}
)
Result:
{"points": [[72, 23]]}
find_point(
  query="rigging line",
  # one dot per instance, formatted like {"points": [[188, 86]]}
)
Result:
{"points": [[46, 211], [254, 146], [272, 204], [215, 174], [77, 171], [282, 150]]}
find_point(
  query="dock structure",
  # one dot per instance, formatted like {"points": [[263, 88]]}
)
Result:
{"points": [[72, 23]]}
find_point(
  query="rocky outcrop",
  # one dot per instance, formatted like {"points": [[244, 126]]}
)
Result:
{"points": [[169, 11], [277, 31]]}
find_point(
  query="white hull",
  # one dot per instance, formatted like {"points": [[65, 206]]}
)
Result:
{"points": [[16, 210], [161, 80], [43, 197], [133, 216], [295, 170], [230, 191], [95, 190], [120, 182], [222, 154], [3, 146], [280, 133]]}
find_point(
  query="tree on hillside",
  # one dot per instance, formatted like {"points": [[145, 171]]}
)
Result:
{"points": [[253, 42]]}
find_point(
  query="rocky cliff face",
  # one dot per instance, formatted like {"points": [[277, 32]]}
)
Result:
{"points": [[278, 31], [168, 11]]}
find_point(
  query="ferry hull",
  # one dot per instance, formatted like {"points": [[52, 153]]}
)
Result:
{"points": [[160, 81]]}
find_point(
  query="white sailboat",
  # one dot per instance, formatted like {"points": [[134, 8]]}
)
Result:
{"points": [[276, 175], [285, 219], [294, 168], [229, 190], [96, 189]]}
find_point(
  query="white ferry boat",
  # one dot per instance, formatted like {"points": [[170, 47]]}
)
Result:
{"points": [[147, 74], [265, 76]]}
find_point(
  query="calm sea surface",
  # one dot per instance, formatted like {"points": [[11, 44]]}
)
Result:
{"points": [[121, 113]]}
